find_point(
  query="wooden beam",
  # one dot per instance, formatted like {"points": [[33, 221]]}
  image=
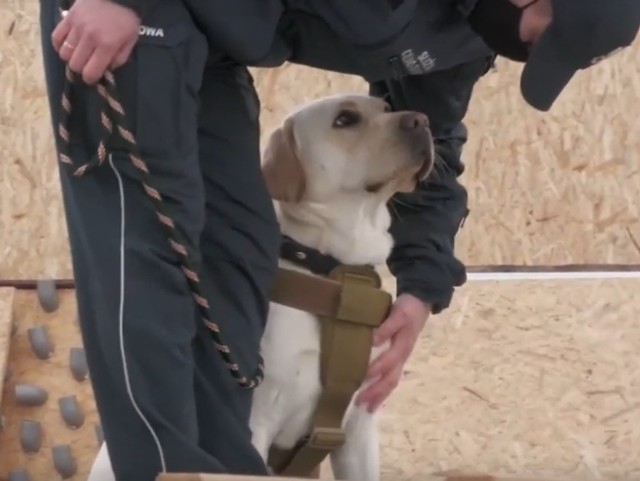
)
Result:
{"points": [[446, 476], [6, 321]]}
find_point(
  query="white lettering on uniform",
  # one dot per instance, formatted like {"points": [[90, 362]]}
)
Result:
{"points": [[151, 31], [420, 65], [427, 61]]}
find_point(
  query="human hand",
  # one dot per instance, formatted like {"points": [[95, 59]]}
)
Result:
{"points": [[96, 35], [401, 329]]}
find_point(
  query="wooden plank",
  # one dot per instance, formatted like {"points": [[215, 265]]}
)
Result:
{"points": [[27, 284], [6, 320], [453, 476], [526, 377]]}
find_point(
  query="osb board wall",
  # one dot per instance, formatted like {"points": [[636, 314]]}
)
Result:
{"points": [[544, 189], [31, 216], [525, 378]]}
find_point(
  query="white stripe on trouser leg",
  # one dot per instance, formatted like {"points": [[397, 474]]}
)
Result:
{"points": [[121, 320]]}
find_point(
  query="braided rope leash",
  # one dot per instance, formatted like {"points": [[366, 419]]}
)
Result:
{"points": [[107, 90]]}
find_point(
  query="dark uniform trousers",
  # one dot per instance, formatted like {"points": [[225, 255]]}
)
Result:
{"points": [[164, 396]]}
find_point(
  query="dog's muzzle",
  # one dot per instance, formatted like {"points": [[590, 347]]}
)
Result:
{"points": [[416, 126]]}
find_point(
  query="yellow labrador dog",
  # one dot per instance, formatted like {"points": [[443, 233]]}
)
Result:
{"points": [[332, 167]]}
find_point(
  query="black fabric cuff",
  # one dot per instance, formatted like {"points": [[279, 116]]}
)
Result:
{"points": [[439, 300], [437, 296]]}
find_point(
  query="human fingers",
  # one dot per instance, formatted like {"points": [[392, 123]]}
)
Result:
{"points": [[81, 54], [70, 44], [397, 354], [60, 33], [97, 64], [123, 55], [385, 362], [378, 392], [389, 327]]}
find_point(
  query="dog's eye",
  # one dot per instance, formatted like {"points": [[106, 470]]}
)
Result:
{"points": [[346, 118]]}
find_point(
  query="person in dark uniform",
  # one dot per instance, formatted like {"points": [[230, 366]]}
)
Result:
{"points": [[165, 395], [428, 56]]}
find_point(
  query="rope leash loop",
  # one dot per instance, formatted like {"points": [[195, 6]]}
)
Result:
{"points": [[113, 119]]}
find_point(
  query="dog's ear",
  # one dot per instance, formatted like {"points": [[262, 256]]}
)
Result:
{"points": [[282, 170]]}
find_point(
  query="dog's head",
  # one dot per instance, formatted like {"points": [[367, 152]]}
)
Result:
{"points": [[347, 144]]}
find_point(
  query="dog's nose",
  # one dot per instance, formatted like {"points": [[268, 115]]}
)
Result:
{"points": [[414, 120]]}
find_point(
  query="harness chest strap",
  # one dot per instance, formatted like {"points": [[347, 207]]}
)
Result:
{"points": [[351, 305]]}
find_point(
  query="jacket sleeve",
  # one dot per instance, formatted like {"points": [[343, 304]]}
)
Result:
{"points": [[426, 221], [141, 7]]}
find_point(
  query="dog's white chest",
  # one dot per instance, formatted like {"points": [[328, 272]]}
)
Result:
{"points": [[284, 403]]}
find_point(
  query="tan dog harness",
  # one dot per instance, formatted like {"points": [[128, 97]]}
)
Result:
{"points": [[351, 304]]}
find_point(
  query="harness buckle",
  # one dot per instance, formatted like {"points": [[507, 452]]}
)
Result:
{"points": [[362, 301], [326, 438]]}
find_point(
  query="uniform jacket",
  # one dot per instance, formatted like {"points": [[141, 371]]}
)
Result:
{"points": [[419, 54]]}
